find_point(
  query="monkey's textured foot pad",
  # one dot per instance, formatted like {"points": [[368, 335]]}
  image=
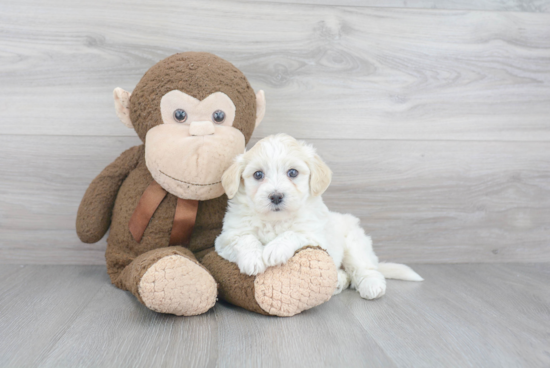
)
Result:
{"points": [[176, 285], [308, 279]]}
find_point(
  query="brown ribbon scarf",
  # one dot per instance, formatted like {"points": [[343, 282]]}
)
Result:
{"points": [[184, 218]]}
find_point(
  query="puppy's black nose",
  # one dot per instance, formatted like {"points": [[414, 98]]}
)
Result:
{"points": [[276, 198]]}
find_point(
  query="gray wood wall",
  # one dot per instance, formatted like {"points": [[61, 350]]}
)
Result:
{"points": [[434, 115]]}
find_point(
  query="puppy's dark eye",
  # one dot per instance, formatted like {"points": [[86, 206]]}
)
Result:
{"points": [[258, 175], [218, 116], [180, 115], [292, 173]]}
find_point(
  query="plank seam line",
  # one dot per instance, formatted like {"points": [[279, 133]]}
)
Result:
{"points": [[72, 319], [302, 138], [356, 7]]}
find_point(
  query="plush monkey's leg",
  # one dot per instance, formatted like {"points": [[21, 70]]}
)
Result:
{"points": [[308, 279], [169, 280]]}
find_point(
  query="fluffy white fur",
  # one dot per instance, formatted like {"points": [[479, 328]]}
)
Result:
{"points": [[258, 233]]}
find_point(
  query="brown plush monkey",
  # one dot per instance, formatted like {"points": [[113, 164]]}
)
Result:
{"points": [[165, 204]]}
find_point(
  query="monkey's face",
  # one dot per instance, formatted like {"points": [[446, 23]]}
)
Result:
{"points": [[195, 112], [196, 142]]}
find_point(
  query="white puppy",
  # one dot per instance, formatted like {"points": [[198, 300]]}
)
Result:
{"points": [[276, 208]]}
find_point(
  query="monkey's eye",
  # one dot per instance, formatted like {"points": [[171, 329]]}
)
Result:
{"points": [[180, 115], [218, 116], [258, 175], [292, 173]]}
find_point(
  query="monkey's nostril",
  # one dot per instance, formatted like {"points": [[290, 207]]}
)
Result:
{"points": [[276, 198]]}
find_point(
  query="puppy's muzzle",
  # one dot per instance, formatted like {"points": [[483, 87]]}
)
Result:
{"points": [[276, 198]]}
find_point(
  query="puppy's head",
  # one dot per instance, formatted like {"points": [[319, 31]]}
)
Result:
{"points": [[277, 175]]}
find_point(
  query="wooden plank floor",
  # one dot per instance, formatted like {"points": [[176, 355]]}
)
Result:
{"points": [[430, 202], [480, 315], [341, 72], [434, 115], [536, 6]]}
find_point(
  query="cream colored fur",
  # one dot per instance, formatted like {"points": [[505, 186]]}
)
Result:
{"points": [[258, 233], [305, 281], [198, 142], [260, 107], [122, 106], [197, 110], [167, 285], [185, 177]]}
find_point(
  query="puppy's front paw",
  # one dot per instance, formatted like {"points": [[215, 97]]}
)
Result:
{"points": [[277, 253], [251, 263], [372, 287], [343, 282]]}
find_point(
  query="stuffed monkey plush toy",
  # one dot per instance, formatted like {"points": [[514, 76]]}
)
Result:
{"points": [[164, 202]]}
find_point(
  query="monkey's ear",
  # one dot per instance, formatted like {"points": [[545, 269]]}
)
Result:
{"points": [[321, 176], [260, 107], [122, 106], [231, 178]]}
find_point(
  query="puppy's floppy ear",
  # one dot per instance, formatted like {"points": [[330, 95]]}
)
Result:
{"points": [[320, 176], [260, 107], [231, 178]]}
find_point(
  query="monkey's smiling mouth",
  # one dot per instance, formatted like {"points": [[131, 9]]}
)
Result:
{"points": [[186, 182]]}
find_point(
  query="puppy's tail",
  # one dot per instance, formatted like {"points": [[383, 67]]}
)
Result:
{"points": [[398, 271]]}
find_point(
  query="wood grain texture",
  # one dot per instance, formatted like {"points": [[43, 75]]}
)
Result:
{"points": [[340, 72], [42, 184], [38, 304], [422, 201], [117, 331], [536, 6], [436, 122], [6, 270], [445, 201], [463, 315], [325, 336], [483, 315]]}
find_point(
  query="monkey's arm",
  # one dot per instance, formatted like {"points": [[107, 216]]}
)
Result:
{"points": [[94, 214]]}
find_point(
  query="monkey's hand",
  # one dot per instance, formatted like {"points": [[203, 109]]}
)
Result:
{"points": [[94, 214]]}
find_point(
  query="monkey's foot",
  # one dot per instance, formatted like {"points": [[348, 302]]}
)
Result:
{"points": [[308, 279], [176, 285]]}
